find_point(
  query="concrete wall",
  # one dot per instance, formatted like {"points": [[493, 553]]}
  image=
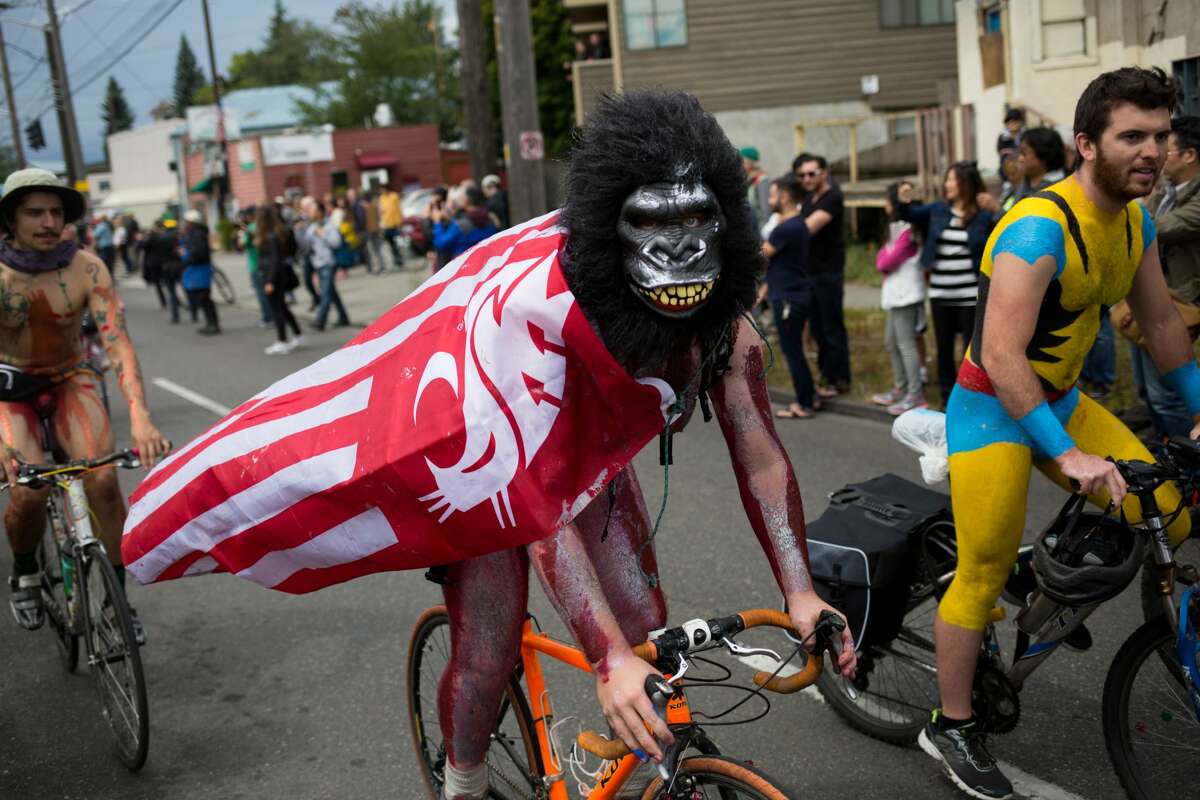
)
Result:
{"points": [[771, 130]]}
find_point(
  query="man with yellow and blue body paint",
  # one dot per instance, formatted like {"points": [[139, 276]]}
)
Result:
{"points": [[1051, 267]]}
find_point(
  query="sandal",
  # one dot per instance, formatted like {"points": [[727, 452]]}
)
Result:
{"points": [[792, 413], [827, 392]]}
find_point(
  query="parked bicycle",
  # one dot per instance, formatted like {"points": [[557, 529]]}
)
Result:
{"points": [[528, 757], [83, 596], [1146, 699]]}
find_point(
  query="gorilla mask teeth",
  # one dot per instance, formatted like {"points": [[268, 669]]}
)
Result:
{"points": [[678, 296]]}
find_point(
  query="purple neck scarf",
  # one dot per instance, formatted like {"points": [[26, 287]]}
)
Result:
{"points": [[30, 261]]}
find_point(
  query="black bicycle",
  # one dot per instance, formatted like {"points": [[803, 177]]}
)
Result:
{"points": [[83, 596], [896, 684]]}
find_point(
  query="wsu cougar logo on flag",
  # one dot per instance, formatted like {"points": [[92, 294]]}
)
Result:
{"points": [[481, 413]]}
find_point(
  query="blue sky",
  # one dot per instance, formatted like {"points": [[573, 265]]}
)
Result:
{"points": [[100, 29]]}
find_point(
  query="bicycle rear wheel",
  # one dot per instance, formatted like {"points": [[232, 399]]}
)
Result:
{"points": [[1150, 729], [113, 657], [223, 286], [717, 777], [514, 758], [54, 592], [896, 686]]}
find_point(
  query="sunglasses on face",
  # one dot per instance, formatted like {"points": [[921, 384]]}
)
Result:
{"points": [[809, 174]]}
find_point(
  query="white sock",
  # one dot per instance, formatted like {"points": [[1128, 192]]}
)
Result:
{"points": [[471, 782]]}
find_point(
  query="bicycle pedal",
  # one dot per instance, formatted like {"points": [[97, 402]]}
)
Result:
{"points": [[1079, 639]]}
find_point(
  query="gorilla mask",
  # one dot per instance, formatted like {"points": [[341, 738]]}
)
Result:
{"points": [[661, 250], [671, 234]]}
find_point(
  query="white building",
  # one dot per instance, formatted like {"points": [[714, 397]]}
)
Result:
{"points": [[142, 181], [1040, 55]]}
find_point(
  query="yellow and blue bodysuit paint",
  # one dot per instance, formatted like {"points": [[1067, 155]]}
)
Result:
{"points": [[991, 454]]}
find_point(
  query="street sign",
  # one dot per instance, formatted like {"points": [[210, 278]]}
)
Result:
{"points": [[82, 186], [533, 146]]}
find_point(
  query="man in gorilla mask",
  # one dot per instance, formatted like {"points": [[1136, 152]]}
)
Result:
{"points": [[543, 360], [666, 295]]}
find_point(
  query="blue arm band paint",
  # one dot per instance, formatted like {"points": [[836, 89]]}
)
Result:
{"points": [[1185, 381], [1046, 431]]}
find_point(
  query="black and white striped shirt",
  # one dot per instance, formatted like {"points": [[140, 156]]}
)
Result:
{"points": [[954, 279]]}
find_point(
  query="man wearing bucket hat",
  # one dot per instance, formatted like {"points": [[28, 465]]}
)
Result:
{"points": [[47, 283], [757, 186]]}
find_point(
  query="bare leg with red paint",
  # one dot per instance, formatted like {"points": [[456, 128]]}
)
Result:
{"points": [[486, 599], [25, 517]]}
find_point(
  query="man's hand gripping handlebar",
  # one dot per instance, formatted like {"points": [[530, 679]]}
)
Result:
{"points": [[666, 649]]}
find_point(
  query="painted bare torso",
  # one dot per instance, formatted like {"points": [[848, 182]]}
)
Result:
{"points": [[41, 314]]}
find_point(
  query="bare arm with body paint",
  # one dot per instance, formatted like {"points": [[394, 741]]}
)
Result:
{"points": [[570, 581], [109, 314], [767, 483]]}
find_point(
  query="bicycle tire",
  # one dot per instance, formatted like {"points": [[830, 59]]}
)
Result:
{"points": [[901, 677], [1132, 737], [114, 657], [510, 777], [223, 286], [722, 776], [58, 608]]}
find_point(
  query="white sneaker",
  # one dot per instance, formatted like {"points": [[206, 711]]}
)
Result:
{"points": [[299, 341], [278, 349]]}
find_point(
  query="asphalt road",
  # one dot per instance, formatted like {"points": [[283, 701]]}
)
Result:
{"points": [[255, 694]]}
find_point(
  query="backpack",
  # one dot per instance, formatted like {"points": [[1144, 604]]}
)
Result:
{"points": [[862, 553]]}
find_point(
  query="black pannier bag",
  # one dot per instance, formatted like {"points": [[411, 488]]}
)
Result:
{"points": [[863, 554]]}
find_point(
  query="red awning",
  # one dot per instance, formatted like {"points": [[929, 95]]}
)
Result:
{"points": [[376, 160]]}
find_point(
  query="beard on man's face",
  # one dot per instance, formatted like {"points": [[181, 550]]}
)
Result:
{"points": [[1119, 180]]}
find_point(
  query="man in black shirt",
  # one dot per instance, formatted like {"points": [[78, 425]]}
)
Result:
{"points": [[789, 289], [823, 212]]}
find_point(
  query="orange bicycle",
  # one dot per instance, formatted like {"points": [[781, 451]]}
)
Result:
{"points": [[525, 757]]}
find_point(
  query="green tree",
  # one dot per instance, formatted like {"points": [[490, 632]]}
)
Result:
{"points": [[293, 52], [553, 46], [396, 55], [114, 109], [189, 78]]}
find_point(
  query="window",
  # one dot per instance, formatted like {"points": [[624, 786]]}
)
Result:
{"points": [[104, 185], [1064, 28], [909, 13], [1187, 76], [655, 23]]}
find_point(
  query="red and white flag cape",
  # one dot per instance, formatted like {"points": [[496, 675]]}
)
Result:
{"points": [[480, 413]]}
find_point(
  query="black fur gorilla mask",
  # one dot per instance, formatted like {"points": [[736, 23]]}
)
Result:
{"points": [[672, 237], [661, 248]]}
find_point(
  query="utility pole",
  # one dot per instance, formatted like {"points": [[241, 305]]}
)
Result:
{"points": [[72, 150], [223, 158], [18, 145], [477, 105], [524, 147]]}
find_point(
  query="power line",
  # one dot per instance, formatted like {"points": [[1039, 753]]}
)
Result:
{"points": [[107, 46], [97, 74]]}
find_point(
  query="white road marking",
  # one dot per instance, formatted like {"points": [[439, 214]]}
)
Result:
{"points": [[1026, 786], [192, 397]]}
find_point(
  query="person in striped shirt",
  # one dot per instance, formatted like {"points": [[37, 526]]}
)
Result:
{"points": [[954, 231]]}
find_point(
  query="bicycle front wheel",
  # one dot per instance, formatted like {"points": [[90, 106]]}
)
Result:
{"points": [[514, 758], [1150, 728], [114, 659], [223, 286], [717, 777], [55, 590]]}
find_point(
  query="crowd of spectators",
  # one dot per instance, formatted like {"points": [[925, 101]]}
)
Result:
{"points": [[928, 253]]}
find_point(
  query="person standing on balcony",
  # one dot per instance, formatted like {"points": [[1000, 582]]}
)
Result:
{"points": [[823, 212]]}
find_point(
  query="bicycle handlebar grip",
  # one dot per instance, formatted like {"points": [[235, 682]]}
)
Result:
{"points": [[766, 617], [646, 651], [597, 745], [794, 683]]}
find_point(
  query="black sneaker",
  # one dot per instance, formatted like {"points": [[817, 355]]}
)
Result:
{"points": [[26, 601], [965, 758]]}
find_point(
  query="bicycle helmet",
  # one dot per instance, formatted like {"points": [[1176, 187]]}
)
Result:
{"points": [[1085, 558]]}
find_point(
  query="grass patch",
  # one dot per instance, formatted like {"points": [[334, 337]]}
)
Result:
{"points": [[860, 264], [871, 367]]}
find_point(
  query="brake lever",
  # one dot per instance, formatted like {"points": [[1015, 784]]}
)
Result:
{"points": [[737, 649]]}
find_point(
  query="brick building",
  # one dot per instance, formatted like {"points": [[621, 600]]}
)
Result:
{"points": [[262, 167]]}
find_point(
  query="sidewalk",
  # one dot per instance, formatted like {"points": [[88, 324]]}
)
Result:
{"points": [[366, 297]]}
